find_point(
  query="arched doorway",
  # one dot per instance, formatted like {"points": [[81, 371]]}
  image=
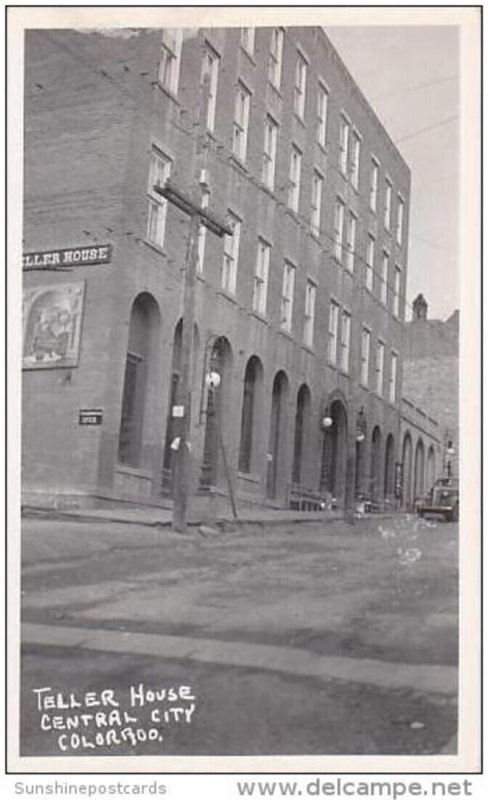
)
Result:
{"points": [[217, 410], [251, 408], [430, 467], [375, 465], [302, 424], [419, 477], [333, 471], [389, 475], [138, 377], [277, 433], [407, 471]]}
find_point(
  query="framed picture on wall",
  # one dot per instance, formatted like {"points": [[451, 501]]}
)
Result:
{"points": [[52, 317]]}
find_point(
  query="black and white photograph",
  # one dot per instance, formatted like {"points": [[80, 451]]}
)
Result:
{"points": [[247, 328]]}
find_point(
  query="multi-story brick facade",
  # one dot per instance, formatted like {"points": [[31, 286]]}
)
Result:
{"points": [[300, 311]]}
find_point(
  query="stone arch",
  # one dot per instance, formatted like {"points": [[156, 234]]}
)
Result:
{"points": [[430, 472], [217, 410], [334, 451], [277, 433], [389, 473], [407, 451], [375, 465], [141, 369], [302, 430], [419, 470], [252, 402]]}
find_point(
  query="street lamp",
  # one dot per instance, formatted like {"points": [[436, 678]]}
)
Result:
{"points": [[360, 426], [326, 421]]}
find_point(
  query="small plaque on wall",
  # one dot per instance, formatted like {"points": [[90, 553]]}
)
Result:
{"points": [[90, 416]]}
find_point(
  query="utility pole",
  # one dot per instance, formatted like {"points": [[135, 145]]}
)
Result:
{"points": [[190, 205]]}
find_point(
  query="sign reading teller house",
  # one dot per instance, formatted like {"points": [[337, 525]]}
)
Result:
{"points": [[69, 257]]}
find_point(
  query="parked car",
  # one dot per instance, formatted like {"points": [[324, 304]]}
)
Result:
{"points": [[441, 500]]}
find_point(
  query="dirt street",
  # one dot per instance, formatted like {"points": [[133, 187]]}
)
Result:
{"points": [[382, 590]]}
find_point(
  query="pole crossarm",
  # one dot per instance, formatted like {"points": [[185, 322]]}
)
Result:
{"points": [[186, 204]]}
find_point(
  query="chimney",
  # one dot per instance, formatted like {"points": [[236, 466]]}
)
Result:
{"points": [[419, 308]]}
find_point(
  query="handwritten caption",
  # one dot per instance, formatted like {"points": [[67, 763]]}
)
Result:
{"points": [[86, 721]]}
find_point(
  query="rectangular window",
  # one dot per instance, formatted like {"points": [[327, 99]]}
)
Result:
{"points": [[300, 86], [400, 218], [247, 39], [210, 75], [344, 145], [373, 189], [241, 122], [260, 288], [345, 340], [231, 255], [275, 57], [317, 186], [159, 172], [269, 152], [322, 105], [295, 172], [287, 296], [333, 325], [384, 277], [396, 291], [355, 156], [338, 229], [380, 362], [169, 65], [365, 348], [387, 219], [308, 326], [393, 377], [351, 241], [370, 262], [202, 234]]}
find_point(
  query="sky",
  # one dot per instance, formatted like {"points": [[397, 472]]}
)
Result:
{"points": [[410, 75]]}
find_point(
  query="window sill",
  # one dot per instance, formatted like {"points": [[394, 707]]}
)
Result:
{"points": [[275, 89], [293, 214], [248, 476], [138, 472], [248, 54], [315, 236], [228, 296], [259, 316], [323, 148], [238, 162], [164, 89], [156, 247], [300, 119], [286, 333], [308, 349]]}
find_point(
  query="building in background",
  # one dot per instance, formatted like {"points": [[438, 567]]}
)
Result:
{"points": [[431, 377], [300, 311]]}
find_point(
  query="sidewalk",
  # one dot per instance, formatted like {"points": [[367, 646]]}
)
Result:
{"points": [[162, 517], [428, 678]]}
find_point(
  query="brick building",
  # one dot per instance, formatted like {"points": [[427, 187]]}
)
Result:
{"points": [[300, 311], [431, 376]]}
